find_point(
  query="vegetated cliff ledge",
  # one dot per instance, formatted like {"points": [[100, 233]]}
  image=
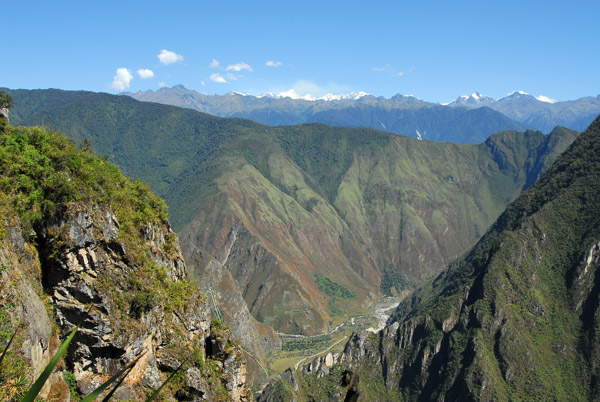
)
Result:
{"points": [[75, 232], [516, 318]]}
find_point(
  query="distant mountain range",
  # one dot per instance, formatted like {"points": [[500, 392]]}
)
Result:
{"points": [[405, 115], [467, 119], [536, 113]]}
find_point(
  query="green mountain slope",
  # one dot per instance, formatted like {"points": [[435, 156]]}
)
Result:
{"points": [[516, 318], [290, 209]]}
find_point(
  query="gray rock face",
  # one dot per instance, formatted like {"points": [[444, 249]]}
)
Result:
{"points": [[37, 345], [257, 339], [23, 308], [84, 261]]}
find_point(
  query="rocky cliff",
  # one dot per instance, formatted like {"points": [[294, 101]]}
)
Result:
{"points": [[226, 302], [516, 318], [76, 233]]}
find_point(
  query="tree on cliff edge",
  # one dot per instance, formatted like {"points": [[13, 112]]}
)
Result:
{"points": [[6, 101]]}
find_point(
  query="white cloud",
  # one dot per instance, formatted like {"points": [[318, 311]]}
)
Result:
{"points": [[218, 78], [162, 84], [271, 63], [122, 79], [214, 63], [392, 70], [145, 73], [387, 67], [545, 99], [167, 57], [238, 67], [203, 83]]}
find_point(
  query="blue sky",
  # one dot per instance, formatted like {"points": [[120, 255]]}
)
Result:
{"points": [[435, 50]]}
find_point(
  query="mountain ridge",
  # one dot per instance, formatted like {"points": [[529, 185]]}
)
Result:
{"points": [[369, 210], [357, 111], [538, 112], [515, 318], [519, 106]]}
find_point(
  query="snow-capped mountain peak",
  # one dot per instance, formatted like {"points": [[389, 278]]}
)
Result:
{"points": [[292, 94], [517, 94], [475, 99], [351, 95]]}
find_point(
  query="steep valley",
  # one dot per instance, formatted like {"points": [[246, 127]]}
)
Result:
{"points": [[305, 224], [515, 318]]}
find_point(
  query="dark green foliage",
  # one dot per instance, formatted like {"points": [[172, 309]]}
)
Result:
{"points": [[142, 302], [332, 288], [69, 378], [393, 278], [315, 343], [311, 203], [6, 101]]}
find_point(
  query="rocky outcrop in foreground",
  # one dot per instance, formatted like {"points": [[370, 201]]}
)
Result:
{"points": [[108, 246]]}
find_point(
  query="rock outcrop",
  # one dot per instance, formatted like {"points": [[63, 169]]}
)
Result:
{"points": [[257, 339], [115, 255]]}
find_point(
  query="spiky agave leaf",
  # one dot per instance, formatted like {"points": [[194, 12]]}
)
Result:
{"points": [[8, 345], [157, 391], [118, 376], [35, 389]]}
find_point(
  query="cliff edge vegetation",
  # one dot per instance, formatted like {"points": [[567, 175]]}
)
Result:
{"points": [[74, 233]]}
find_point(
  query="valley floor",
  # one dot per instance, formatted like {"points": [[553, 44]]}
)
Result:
{"points": [[299, 349]]}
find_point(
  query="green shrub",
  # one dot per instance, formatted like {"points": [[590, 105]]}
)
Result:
{"points": [[333, 289]]}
